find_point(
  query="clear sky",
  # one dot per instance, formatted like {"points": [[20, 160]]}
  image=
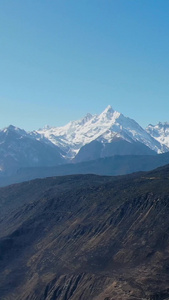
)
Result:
{"points": [[61, 59]]}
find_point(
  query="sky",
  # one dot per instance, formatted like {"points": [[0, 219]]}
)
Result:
{"points": [[62, 59]]}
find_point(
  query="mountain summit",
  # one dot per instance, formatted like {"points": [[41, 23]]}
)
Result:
{"points": [[160, 132], [104, 128], [92, 137], [108, 112]]}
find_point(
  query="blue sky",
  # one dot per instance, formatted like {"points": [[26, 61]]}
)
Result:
{"points": [[62, 59]]}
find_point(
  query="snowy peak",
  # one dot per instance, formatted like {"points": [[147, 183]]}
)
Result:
{"points": [[112, 116], [12, 131], [160, 132], [109, 114], [104, 128], [87, 118], [159, 128], [15, 129], [108, 111], [109, 131]]}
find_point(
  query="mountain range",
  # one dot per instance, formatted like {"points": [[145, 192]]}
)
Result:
{"points": [[93, 137], [20, 149], [85, 236], [108, 128]]}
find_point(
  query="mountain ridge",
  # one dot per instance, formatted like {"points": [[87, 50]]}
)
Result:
{"points": [[92, 137], [160, 132], [18, 148], [86, 237], [103, 128]]}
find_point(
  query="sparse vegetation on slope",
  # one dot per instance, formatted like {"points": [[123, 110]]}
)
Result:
{"points": [[86, 237]]}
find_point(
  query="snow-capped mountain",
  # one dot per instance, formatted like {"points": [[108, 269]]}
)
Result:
{"points": [[105, 128], [19, 149], [160, 132], [92, 137]]}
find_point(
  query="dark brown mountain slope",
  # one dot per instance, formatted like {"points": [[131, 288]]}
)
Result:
{"points": [[86, 237]]}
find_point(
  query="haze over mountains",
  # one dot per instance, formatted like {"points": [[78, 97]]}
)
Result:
{"points": [[93, 137]]}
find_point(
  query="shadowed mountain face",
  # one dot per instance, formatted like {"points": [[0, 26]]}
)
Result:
{"points": [[96, 150], [115, 165], [19, 149], [86, 237]]}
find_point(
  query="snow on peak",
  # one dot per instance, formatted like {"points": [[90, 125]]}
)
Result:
{"points": [[14, 129], [108, 109], [87, 118], [108, 112], [11, 128], [105, 126], [160, 132]]}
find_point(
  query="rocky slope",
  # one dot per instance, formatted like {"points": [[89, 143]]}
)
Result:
{"points": [[86, 237]]}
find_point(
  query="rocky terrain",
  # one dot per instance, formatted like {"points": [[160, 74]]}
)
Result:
{"points": [[86, 237]]}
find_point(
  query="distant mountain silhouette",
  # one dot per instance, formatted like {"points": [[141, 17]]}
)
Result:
{"points": [[115, 165]]}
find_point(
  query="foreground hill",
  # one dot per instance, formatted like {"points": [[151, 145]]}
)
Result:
{"points": [[86, 237]]}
